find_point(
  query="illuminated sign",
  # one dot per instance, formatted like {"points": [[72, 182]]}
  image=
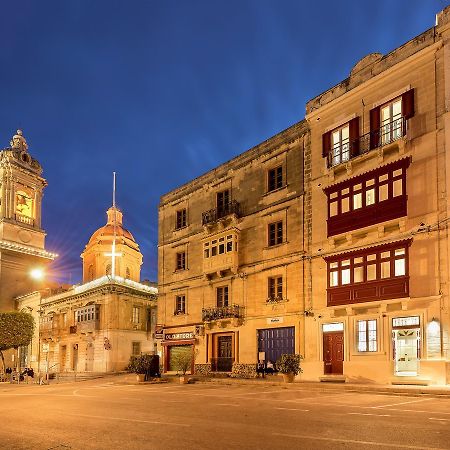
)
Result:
{"points": [[179, 336]]}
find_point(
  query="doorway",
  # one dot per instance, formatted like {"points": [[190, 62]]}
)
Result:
{"points": [[62, 358], [222, 360], [333, 352], [89, 357], [406, 345]]}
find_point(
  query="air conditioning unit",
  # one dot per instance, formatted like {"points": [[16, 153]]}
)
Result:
{"points": [[199, 330]]}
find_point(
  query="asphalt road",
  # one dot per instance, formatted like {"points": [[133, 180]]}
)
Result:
{"points": [[101, 414]]}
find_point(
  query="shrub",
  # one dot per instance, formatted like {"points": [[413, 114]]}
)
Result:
{"points": [[144, 364], [290, 364]]}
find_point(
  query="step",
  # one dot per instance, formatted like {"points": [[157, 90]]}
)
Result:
{"points": [[402, 381], [333, 379]]}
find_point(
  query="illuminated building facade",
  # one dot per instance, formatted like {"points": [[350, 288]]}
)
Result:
{"points": [[98, 325], [329, 239]]}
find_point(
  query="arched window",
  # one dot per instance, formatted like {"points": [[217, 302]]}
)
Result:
{"points": [[108, 269], [127, 273]]}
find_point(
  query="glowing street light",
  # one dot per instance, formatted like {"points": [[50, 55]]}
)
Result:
{"points": [[37, 274]]}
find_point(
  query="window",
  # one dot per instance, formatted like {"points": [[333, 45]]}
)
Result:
{"points": [[223, 203], [220, 246], [388, 121], [87, 314], [275, 179], [367, 335], [222, 296], [275, 231], [342, 143], [369, 274], [180, 304], [275, 289], [135, 348], [181, 219], [181, 261], [374, 197], [136, 315]]}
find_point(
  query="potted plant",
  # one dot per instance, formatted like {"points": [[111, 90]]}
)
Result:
{"points": [[144, 366], [289, 366], [183, 362]]}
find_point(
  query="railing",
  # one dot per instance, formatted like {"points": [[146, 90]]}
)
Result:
{"points": [[275, 299], [25, 219], [213, 215], [222, 312], [386, 134], [221, 364]]}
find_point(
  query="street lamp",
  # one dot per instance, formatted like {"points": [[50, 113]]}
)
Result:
{"points": [[37, 274]]}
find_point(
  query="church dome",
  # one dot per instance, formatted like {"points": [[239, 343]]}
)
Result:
{"points": [[107, 231]]}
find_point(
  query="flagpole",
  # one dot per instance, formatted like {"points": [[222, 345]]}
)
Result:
{"points": [[113, 253]]}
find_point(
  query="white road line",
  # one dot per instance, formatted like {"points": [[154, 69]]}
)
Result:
{"points": [[354, 441], [369, 414], [294, 409], [436, 418], [227, 404], [403, 403], [106, 418]]}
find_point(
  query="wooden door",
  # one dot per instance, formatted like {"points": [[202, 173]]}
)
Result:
{"points": [[333, 353], [225, 353]]}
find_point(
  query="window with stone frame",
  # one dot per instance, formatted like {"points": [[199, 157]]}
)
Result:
{"points": [[275, 233], [366, 334], [275, 178], [275, 289], [370, 274], [342, 143], [180, 261], [136, 315], [181, 218], [222, 296], [136, 348], [180, 304]]}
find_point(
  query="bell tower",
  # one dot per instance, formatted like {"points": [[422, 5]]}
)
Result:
{"points": [[22, 239]]}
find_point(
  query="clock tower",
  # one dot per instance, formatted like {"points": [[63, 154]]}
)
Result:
{"points": [[22, 239]]}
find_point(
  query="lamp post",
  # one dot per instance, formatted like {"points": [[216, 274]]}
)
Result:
{"points": [[37, 274]]}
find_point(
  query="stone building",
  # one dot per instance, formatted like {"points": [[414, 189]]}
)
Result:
{"points": [[230, 251], [329, 239], [377, 181], [22, 239], [95, 326]]}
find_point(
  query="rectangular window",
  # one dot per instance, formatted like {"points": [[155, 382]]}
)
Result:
{"points": [[275, 289], [275, 231], [181, 219], [136, 348], [136, 314], [180, 304], [88, 314], [181, 261], [391, 121], [275, 178], [383, 190], [222, 296], [340, 146], [367, 335], [223, 203]]}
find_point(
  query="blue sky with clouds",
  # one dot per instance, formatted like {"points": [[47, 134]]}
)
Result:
{"points": [[162, 91]]}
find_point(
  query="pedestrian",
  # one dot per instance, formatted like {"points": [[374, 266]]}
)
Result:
{"points": [[10, 373]]}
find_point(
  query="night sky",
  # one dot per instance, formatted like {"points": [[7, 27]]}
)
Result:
{"points": [[163, 91]]}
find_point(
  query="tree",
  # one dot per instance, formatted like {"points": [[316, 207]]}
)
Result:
{"points": [[16, 330], [183, 361]]}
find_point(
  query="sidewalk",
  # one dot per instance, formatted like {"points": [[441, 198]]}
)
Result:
{"points": [[414, 390]]}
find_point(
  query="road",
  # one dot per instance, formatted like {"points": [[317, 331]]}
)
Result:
{"points": [[102, 414]]}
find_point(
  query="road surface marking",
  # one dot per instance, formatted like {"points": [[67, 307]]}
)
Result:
{"points": [[155, 422], [354, 441], [227, 404], [435, 418], [403, 403], [294, 409], [369, 414]]}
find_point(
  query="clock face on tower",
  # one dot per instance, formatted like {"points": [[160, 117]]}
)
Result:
{"points": [[24, 204]]}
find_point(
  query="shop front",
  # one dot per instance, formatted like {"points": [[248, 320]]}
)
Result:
{"points": [[176, 345]]}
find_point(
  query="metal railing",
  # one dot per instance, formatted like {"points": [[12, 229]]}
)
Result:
{"points": [[222, 312], [222, 364], [275, 299], [213, 215], [386, 134]]}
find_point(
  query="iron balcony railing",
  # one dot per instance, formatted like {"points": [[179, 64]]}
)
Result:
{"points": [[222, 364], [213, 215], [386, 134], [222, 312], [275, 299]]}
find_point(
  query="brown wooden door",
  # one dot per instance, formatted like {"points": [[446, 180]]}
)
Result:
{"points": [[333, 352], [224, 354]]}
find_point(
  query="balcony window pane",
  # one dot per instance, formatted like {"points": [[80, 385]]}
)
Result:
{"points": [[345, 205], [345, 276], [358, 274], [333, 209], [400, 267], [221, 249], [397, 108], [358, 260], [213, 251], [357, 200], [397, 173], [206, 254], [397, 188], [372, 257], [370, 197], [371, 272], [383, 192], [333, 278], [229, 246], [383, 177], [399, 251], [385, 269], [385, 255], [334, 265]]}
